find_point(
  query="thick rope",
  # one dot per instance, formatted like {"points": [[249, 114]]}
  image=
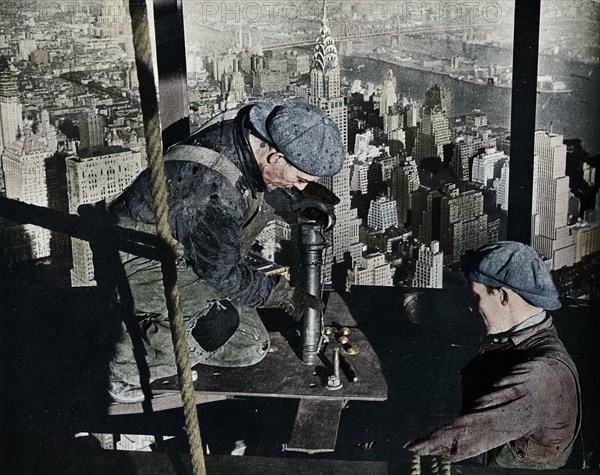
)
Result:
{"points": [[435, 466], [438, 465], [446, 466], [158, 189], [415, 465]]}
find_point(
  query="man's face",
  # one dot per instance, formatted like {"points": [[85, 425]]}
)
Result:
{"points": [[276, 171], [489, 305]]}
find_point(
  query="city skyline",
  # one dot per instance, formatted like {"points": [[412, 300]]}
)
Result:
{"points": [[100, 99]]}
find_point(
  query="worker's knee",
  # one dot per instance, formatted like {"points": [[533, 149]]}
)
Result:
{"points": [[246, 347]]}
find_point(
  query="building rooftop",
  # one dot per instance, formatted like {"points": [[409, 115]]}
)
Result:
{"points": [[92, 152], [27, 144]]}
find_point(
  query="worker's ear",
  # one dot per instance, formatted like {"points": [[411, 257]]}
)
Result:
{"points": [[505, 295], [274, 157]]}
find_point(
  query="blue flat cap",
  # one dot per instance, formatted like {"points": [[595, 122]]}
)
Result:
{"points": [[308, 139], [515, 266]]}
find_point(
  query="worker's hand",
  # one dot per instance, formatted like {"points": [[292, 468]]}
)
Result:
{"points": [[436, 443], [300, 300], [314, 202], [292, 299]]}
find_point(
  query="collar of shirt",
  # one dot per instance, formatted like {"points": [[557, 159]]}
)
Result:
{"points": [[248, 164], [514, 333]]}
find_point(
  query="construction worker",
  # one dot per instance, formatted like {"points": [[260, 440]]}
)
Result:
{"points": [[216, 180], [521, 399]]}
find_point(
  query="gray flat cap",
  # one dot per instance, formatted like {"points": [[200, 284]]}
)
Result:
{"points": [[308, 139], [515, 266]]}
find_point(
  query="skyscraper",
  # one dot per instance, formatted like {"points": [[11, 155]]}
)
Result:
{"points": [[265, 81], [325, 72], [475, 120], [362, 144], [550, 235], [589, 173], [24, 167], [359, 177], [325, 93], [114, 20], [439, 96], [487, 166], [411, 114], [223, 64], [587, 232], [345, 235], [94, 174], [271, 236], [405, 180], [237, 88], [366, 177], [457, 221], [432, 134], [388, 94], [11, 110], [325, 83], [465, 149], [91, 130], [501, 186], [382, 214], [388, 165], [370, 270], [297, 63], [429, 267]]}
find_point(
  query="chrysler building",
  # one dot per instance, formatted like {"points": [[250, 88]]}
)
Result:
{"points": [[325, 84], [325, 93]]}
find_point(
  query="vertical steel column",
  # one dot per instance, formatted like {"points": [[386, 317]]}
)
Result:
{"points": [[312, 243], [522, 120], [172, 72]]}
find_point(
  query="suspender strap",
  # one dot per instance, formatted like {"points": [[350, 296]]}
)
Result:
{"points": [[207, 157]]}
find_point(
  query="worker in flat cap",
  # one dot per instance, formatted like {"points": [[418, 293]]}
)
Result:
{"points": [[521, 399], [217, 179]]}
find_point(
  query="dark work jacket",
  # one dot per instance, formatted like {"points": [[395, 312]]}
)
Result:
{"points": [[208, 215], [520, 400]]}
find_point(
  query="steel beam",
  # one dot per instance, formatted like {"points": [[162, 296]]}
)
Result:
{"points": [[172, 71], [522, 122]]}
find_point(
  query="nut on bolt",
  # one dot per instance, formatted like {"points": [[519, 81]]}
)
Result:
{"points": [[334, 381]]}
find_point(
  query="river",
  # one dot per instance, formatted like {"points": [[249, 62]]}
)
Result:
{"points": [[575, 115]]}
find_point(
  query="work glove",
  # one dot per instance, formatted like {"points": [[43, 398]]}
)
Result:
{"points": [[314, 202], [319, 191], [292, 299]]}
